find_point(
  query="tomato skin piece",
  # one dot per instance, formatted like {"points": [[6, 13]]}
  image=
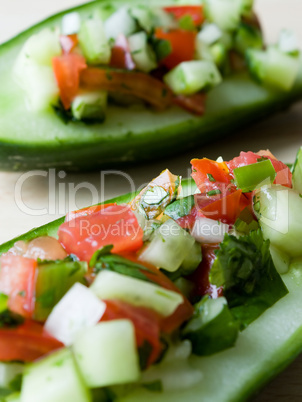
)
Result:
{"points": [[193, 103], [201, 276], [116, 225], [182, 44], [196, 12], [26, 342], [67, 68], [68, 42], [17, 281], [121, 55], [139, 84], [226, 209], [146, 323]]}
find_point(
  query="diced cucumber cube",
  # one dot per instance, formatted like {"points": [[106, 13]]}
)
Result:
{"points": [[273, 67], [297, 173], [106, 354], [40, 87], [77, 310], [191, 76], [39, 48], [288, 42], [281, 260], [213, 328], [144, 17], [8, 372], [54, 378], [141, 52], [279, 212], [225, 14], [120, 22], [209, 34], [163, 19], [71, 23], [53, 280], [168, 247], [174, 372], [111, 285], [93, 41], [90, 106]]}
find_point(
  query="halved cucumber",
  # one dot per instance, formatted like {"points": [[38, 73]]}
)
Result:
{"points": [[127, 135], [264, 349]]}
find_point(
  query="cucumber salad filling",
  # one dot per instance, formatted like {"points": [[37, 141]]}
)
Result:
{"points": [[126, 293], [156, 56]]}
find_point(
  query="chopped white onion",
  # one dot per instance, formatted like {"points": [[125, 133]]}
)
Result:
{"points": [[207, 230], [77, 310], [209, 34], [71, 23]]}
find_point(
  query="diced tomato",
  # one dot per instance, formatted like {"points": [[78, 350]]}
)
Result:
{"points": [[196, 12], [121, 55], [193, 103], [86, 211], [139, 84], [67, 70], [187, 222], [182, 44], [226, 209], [26, 342], [17, 281], [201, 276], [116, 225], [68, 42], [146, 323], [211, 175]]}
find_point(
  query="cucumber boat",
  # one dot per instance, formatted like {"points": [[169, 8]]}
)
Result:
{"points": [[226, 241], [129, 134]]}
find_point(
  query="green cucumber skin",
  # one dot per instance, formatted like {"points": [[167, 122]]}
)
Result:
{"points": [[30, 141], [262, 351]]}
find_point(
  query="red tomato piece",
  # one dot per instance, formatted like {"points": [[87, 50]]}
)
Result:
{"points": [[182, 44], [67, 70], [139, 84], [226, 209], [121, 55], [193, 103], [68, 42], [196, 12], [116, 225], [211, 175], [86, 211], [146, 323], [26, 342], [187, 222], [17, 281], [201, 276]]}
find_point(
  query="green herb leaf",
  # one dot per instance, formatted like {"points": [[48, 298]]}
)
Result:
{"points": [[245, 269]]}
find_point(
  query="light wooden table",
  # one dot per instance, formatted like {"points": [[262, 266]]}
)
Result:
{"points": [[39, 201]]}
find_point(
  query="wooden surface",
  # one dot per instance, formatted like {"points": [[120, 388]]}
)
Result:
{"points": [[38, 201]]}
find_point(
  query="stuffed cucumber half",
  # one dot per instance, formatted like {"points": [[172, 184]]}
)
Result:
{"points": [[189, 290], [100, 84]]}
